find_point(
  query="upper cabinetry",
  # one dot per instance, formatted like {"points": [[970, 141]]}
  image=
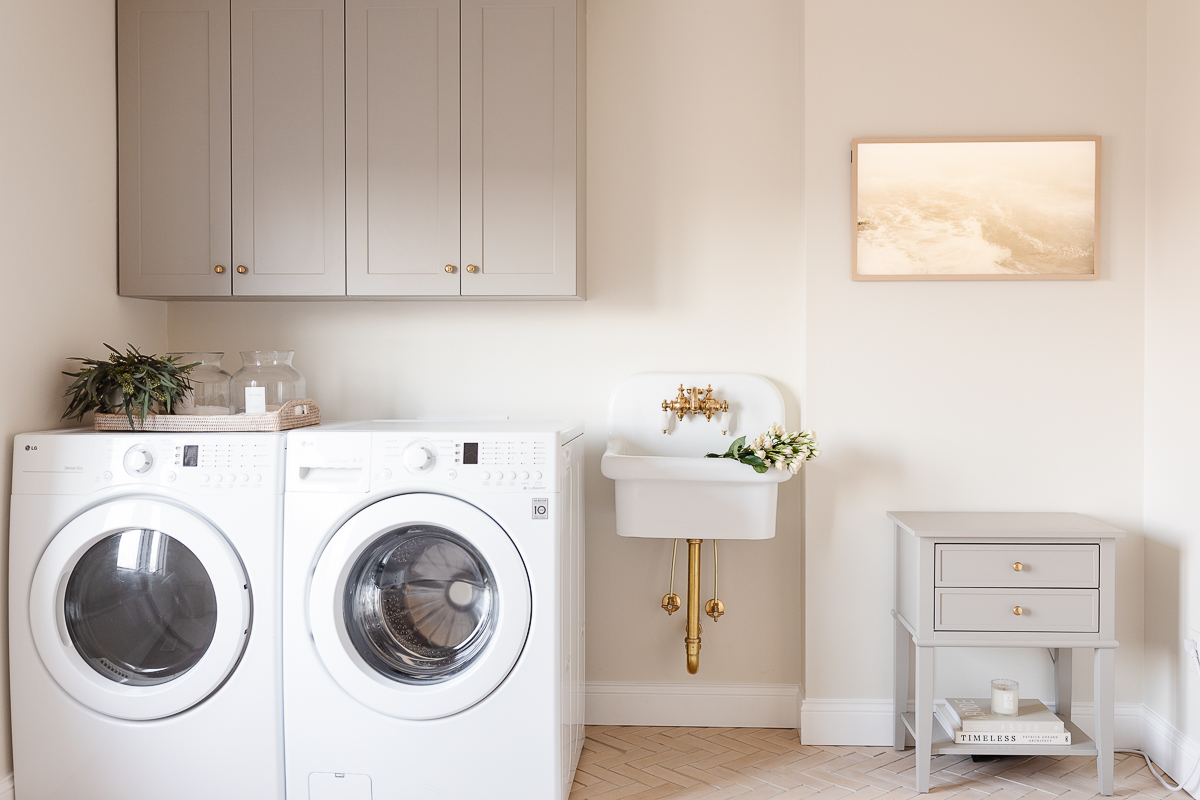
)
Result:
{"points": [[369, 148]]}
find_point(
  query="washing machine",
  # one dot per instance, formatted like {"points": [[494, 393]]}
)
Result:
{"points": [[144, 581], [433, 611]]}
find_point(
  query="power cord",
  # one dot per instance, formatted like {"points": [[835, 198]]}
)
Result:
{"points": [[1161, 779], [1150, 764]]}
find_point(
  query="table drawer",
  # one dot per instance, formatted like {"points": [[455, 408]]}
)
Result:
{"points": [[1065, 566], [1042, 610]]}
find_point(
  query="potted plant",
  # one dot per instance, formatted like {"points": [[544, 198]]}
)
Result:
{"points": [[126, 383]]}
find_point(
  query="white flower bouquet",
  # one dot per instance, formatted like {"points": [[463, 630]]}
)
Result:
{"points": [[775, 448]]}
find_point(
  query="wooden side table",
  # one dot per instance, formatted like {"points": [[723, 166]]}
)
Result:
{"points": [[981, 579]]}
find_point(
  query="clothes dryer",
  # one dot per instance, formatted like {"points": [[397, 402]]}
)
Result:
{"points": [[433, 611], [144, 615]]}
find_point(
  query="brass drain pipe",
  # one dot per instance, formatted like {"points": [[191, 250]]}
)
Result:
{"points": [[693, 607]]}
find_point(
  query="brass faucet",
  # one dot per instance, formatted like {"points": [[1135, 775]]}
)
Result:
{"points": [[695, 401]]}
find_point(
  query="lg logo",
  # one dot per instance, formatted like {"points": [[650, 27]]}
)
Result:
{"points": [[31, 447]]}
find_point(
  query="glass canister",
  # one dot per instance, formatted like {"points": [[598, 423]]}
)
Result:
{"points": [[265, 382], [210, 385]]}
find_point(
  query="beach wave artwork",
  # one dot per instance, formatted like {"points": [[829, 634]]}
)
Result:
{"points": [[976, 208]]}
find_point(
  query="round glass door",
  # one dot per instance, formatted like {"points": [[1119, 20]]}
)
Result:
{"points": [[420, 603], [140, 607]]}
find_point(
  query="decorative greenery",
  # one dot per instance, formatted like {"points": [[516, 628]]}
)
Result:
{"points": [[775, 448], [125, 383]]}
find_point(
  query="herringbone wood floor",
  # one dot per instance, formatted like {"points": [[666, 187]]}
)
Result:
{"points": [[630, 763]]}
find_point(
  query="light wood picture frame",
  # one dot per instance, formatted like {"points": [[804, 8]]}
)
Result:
{"points": [[982, 208]]}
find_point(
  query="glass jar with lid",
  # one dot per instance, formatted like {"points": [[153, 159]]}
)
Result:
{"points": [[265, 382], [210, 385]]}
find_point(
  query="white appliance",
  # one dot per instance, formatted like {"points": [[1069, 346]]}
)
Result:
{"points": [[144, 615], [433, 611]]}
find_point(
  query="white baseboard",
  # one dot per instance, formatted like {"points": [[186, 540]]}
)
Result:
{"points": [[761, 705], [1169, 748], [853, 722], [6, 787], [868, 723]]}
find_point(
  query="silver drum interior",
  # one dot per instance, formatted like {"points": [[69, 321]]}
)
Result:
{"points": [[420, 604]]}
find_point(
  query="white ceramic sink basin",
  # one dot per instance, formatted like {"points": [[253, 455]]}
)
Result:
{"points": [[665, 487]]}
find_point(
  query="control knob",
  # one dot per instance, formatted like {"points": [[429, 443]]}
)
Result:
{"points": [[139, 460], [419, 457]]}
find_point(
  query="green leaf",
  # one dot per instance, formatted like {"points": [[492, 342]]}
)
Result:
{"points": [[149, 379], [756, 462]]}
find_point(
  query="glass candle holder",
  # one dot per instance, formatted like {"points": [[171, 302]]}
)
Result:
{"points": [[272, 373], [1005, 701]]}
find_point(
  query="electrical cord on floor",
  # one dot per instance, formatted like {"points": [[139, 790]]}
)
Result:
{"points": [[1150, 765]]}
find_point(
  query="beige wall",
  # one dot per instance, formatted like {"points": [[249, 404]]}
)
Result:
{"points": [[967, 395], [694, 221], [58, 214], [1172, 362]]}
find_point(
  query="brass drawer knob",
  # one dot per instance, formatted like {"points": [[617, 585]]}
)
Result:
{"points": [[449, 268], [472, 268], [220, 270], [1018, 566], [1018, 611], [241, 270]]}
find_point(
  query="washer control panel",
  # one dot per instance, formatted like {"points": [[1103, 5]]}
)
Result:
{"points": [[477, 462]]}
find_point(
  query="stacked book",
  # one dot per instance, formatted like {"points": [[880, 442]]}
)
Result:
{"points": [[972, 722]]}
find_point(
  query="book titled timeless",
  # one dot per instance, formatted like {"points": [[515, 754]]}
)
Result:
{"points": [[975, 716], [952, 725], [962, 737]]}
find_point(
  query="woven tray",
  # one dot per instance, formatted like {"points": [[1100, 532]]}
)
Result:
{"points": [[293, 414]]}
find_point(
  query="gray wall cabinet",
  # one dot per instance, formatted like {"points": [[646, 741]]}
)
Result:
{"points": [[174, 148], [361, 148]]}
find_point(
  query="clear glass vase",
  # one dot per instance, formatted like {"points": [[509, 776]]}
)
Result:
{"points": [[269, 375], [210, 385]]}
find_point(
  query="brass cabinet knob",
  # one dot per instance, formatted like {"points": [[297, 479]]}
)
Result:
{"points": [[449, 268], [241, 270], [1018, 611], [219, 269], [472, 268], [1018, 566]]}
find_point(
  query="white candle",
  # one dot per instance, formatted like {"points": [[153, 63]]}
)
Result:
{"points": [[1004, 697]]}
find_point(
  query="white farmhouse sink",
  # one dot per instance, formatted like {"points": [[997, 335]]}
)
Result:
{"points": [[665, 486]]}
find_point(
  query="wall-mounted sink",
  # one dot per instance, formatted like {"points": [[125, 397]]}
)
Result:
{"points": [[665, 487]]}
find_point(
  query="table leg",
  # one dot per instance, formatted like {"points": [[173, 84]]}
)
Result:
{"points": [[900, 683], [924, 715], [1103, 695], [1062, 682]]}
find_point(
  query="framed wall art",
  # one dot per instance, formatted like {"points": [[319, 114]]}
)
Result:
{"points": [[1023, 208]]}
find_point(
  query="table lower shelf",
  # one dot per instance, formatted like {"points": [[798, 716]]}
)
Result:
{"points": [[943, 742]]}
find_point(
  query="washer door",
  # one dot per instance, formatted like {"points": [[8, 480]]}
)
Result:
{"points": [[140, 609], [420, 606]]}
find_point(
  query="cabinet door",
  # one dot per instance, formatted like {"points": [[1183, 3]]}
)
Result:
{"points": [[289, 178], [520, 188], [173, 152], [402, 196]]}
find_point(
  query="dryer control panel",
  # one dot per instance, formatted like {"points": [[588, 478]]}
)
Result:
{"points": [[80, 462]]}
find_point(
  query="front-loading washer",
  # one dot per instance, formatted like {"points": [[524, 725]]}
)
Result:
{"points": [[144, 615], [433, 610]]}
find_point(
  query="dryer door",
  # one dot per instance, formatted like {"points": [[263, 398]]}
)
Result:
{"points": [[140, 609], [420, 606]]}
